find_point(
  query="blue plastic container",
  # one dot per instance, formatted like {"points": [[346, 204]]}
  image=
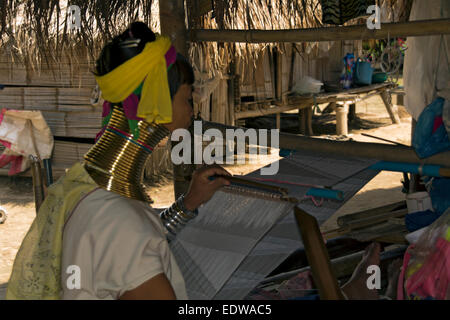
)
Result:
{"points": [[363, 73]]}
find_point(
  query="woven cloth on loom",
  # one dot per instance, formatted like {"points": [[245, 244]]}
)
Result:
{"points": [[238, 239]]}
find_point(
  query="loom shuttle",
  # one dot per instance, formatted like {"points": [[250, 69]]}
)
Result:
{"points": [[326, 193]]}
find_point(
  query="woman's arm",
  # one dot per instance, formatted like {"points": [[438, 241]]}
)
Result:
{"points": [[157, 288], [200, 191], [201, 188]]}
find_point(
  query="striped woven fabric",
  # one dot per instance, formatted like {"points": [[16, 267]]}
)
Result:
{"points": [[340, 11]]}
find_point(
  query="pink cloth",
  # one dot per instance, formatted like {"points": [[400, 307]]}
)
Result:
{"points": [[106, 109], [171, 56], [438, 121], [432, 279], [16, 163], [130, 106], [2, 114], [6, 144]]}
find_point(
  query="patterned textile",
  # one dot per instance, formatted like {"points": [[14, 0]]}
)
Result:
{"points": [[36, 272], [239, 238], [339, 12]]}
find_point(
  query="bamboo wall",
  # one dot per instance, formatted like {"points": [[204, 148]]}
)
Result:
{"points": [[322, 61]]}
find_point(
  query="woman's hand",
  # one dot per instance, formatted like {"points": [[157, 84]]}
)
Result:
{"points": [[201, 188]]}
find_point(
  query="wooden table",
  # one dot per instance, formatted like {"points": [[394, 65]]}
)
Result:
{"points": [[344, 102]]}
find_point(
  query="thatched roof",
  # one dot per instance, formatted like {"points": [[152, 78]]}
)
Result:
{"points": [[263, 15], [37, 29], [243, 14]]}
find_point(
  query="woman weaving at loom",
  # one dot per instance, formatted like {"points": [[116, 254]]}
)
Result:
{"points": [[97, 216], [95, 222]]}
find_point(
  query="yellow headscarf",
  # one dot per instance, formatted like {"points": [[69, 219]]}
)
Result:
{"points": [[155, 104]]}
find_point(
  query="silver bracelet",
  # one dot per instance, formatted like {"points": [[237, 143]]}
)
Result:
{"points": [[177, 216]]}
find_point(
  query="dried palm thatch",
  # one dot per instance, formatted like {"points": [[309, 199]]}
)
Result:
{"points": [[243, 14], [37, 31], [260, 15]]}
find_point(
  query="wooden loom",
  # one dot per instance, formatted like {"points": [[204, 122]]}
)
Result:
{"points": [[315, 249]]}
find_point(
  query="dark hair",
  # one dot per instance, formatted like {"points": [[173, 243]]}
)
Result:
{"points": [[130, 43]]}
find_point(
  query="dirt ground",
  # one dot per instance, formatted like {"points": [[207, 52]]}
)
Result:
{"points": [[17, 198]]}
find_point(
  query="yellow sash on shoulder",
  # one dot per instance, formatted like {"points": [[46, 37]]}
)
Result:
{"points": [[36, 273]]}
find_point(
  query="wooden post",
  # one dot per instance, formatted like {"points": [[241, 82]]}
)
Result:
{"points": [[317, 256], [171, 13], [342, 120], [231, 92], [329, 108], [352, 112], [38, 185], [301, 121], [308, 121], [278, 121], [391, 109], [279, 75], [291, 71], [368, 150], [172, 17]]}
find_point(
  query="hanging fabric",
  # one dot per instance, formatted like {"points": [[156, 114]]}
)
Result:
{"points": [[339, 12]]}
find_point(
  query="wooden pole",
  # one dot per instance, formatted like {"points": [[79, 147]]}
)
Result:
{"points": [[356, 149], [318, 257], [273, 110], [391, 109], [171, 13], [301, 121], [278, 121], [342, 266], [358, 32], [172, 17], [369, 150], [341, 120], [308, 119], [278, 74], [231, 92], [38, 185], [349, 218]]}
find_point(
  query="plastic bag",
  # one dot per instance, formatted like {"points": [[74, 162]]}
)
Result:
{"points": [[440, 194], [23, 133], [307, 85], [430, 136], [426, 265]]}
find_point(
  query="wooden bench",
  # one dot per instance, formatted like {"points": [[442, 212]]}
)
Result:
{"points": [[344, 101]]}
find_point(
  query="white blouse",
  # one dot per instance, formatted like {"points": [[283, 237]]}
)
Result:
{"points": [[114, 244]]}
